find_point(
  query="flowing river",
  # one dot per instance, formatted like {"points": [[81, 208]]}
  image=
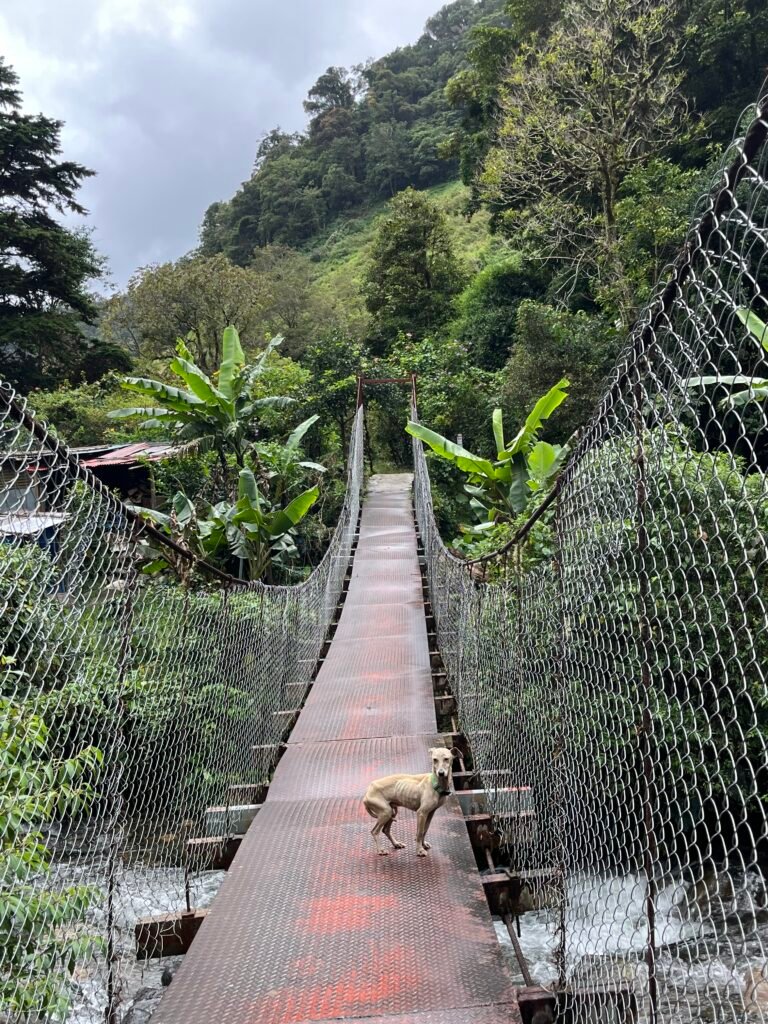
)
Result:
{"points": [[703, 954], [707, 946]]}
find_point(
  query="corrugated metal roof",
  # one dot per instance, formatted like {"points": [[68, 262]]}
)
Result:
{"points": [[29, 524], [129, 454]]}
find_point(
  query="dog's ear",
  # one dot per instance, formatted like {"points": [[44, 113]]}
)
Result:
{"points": [[431, 751], [455, 752]]}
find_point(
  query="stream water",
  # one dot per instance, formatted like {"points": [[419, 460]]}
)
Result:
{"points": [[704, 950], [703, 955], [142, 891]]}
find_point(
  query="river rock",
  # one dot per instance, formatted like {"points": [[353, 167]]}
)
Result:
{"points": [[144, 1004]]}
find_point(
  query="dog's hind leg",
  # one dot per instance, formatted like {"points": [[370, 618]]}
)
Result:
{"points": [[379, 809], [386, 831]]}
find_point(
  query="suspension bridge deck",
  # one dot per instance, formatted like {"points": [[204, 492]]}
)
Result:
{"points": [[309, 924]]}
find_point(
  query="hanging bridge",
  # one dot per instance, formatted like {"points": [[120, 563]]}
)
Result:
{"points": [[183, 760], [310, 924]]}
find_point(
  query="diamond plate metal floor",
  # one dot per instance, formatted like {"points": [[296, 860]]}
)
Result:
{"points": [[309, 924]]}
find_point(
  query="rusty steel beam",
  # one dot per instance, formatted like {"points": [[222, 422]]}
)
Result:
{"points": [[167, 934]]}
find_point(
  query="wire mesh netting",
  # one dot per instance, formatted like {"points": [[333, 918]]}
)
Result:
{"points": [[136, 714], [610, 673]]}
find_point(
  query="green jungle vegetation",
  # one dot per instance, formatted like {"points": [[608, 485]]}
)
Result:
{"points": [[475, 208], [487, 208]]}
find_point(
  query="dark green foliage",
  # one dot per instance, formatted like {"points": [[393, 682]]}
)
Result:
{"points": [[474, 89], [550, 344], [726, 59], [39, 940], [706, 520], [44, 267], [454, 396], [413, 277], [334, 362], [80, 414], [488, 308], [332, 91]]}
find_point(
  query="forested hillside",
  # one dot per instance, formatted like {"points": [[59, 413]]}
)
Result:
{"points": [[488, 207], [372, 131]]}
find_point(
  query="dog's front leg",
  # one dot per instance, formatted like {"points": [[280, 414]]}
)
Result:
{"points": [[422, 824], [430, 816]]}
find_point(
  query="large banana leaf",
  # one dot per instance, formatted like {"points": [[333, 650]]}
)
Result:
{"points": [[465, 460], [543, 462], [169, 396], [518, 494], [756, 327], [141, 410], [270, 402], [270, 347], [755, 388], [197, 382], [288, 517], [184, 509], [498, 431], [152, 515], [238, 542], [758, 392], [248, 489], [231, 360], [294, 439], [543, 409]]}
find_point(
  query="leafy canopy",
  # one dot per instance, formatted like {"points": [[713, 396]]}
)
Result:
{"points": [[219, 414], [501, 489], [251, 530], [413, 275], [44, 267]]}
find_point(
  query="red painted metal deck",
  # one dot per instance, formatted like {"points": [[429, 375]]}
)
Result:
{"points": [[310, 924]]}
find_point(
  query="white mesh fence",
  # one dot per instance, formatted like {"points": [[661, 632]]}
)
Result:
{"points": [[136, 714], [610, 675]]}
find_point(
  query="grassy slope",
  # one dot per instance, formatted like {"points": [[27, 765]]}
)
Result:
{"points": [[341, 253]]}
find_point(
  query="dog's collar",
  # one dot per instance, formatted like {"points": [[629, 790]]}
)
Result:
{"points": [[436, 786]]}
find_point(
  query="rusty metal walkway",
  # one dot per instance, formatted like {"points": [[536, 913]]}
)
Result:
{"points": [[309, 924]]}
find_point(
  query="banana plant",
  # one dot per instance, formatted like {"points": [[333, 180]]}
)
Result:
{"points": [[219, 415], [751, 389], [281, 465], [524, 466], [251, 530]]}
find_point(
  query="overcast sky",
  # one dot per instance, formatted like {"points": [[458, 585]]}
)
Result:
{"points": [[166, 99]]}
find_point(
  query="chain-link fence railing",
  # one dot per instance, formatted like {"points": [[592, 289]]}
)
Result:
{"points": [[136, 713], [611, 673]]}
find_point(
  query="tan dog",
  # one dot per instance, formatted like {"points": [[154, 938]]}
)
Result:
{"points": [[420, 793]]}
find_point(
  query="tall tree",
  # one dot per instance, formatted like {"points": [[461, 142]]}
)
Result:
{"points": [[725, 59], [413, 276], [44, 267], [195, 298], [598, 99], [333, 89]]}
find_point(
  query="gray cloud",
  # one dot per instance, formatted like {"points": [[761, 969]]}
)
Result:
{"points": [[166, 99]]}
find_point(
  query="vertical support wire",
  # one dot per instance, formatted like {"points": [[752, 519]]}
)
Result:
{"points": [[117, 797], [184, 732], [644, 651], [518, 689], [558, 752], [225, 614]]}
